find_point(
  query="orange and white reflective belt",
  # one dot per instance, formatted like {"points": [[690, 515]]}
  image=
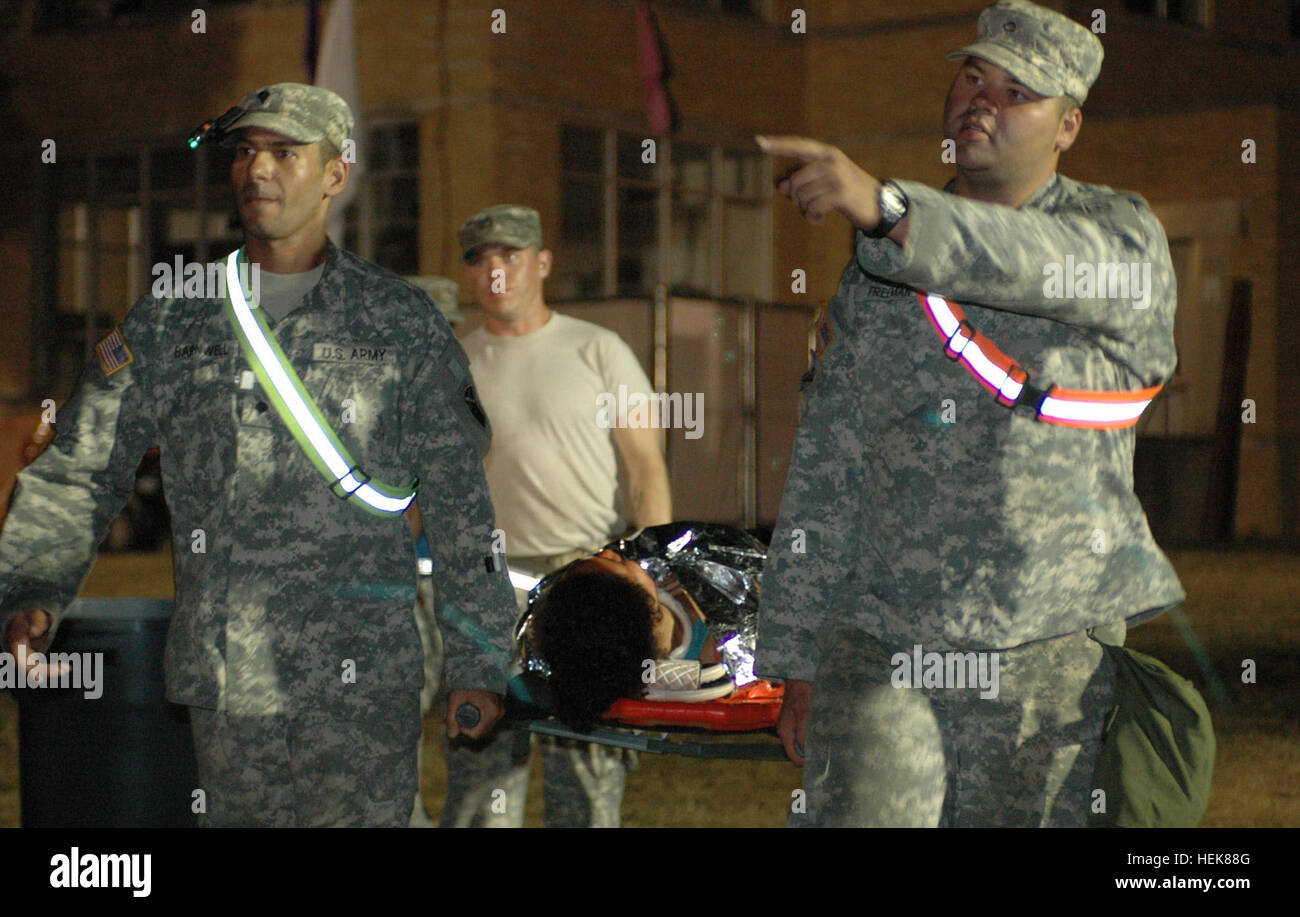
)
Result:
{"points": [[1008, 381]]}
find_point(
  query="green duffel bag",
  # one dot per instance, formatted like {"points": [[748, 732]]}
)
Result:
{"points": [[1157, 755]]}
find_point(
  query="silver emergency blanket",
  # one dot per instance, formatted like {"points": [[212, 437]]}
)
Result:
{"points": [[719, 565]]}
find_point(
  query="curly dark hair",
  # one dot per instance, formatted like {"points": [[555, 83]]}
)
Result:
{"points": [[595, 632]]}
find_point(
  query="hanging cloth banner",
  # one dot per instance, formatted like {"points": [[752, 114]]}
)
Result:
{"points": [[299, 412], [1005, 378]]}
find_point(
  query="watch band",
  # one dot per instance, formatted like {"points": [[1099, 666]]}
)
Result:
{"points": [[892, 203]]}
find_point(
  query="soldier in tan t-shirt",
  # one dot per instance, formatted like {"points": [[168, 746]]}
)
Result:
{"points": [[553, 474]]}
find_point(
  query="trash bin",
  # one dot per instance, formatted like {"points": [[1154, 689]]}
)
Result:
{"points": [[123, 759]]}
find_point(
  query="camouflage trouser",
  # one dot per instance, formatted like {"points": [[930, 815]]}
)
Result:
{"points": [[309, 770], [487, 784], [880, 755]]}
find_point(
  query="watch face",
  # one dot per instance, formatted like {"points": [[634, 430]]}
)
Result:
{"points": [[893, 204]]}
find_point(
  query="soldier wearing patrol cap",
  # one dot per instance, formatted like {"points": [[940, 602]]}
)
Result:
{"points": [[553, 472], [292, 641], [960, 491]]}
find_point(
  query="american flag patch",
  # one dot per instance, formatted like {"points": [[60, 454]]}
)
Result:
{"points": [[824, 335], [113, 352]]}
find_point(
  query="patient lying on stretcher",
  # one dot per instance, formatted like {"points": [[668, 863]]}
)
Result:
{"points": [[667, 615]]}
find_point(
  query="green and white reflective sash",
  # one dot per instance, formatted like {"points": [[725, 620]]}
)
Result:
{"points": [[299, 411]]}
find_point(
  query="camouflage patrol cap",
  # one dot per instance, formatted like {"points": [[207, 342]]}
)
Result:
{"points": [[300, 112], [1047, 52], [445, 294], [504, 224]]}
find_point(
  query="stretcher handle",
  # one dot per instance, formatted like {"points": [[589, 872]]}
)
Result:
{"points": [[467, 716]]}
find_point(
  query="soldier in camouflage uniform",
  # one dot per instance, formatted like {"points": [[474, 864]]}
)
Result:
{"points": [[921, 512], [292, 642]]}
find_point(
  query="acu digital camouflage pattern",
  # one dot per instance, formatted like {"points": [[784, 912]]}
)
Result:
{"points": [[1051, 54], [307, 114], [885, 756], [504, 224], [487, 783], [444, 292], [293, 587], [980, 533], [309, 770]]}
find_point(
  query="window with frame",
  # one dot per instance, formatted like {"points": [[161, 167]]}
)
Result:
{"points": [[1188, 12], [118, 216], [636, 212], [383, 222], [85, 15]]}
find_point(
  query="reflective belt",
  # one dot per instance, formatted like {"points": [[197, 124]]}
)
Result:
{"points": [[299, 411], [1008, 381]]}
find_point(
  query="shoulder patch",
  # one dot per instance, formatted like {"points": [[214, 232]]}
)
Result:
{"points": [[113, 353], [464, 397]]}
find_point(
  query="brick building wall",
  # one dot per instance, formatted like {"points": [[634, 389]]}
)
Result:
{"points": [[1167, 119]]}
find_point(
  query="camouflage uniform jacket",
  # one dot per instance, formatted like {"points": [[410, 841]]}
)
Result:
{"points": [[919, 509], [278, 582]]}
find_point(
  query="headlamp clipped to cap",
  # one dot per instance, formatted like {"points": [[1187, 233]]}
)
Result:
{"points": [[215, 131]]}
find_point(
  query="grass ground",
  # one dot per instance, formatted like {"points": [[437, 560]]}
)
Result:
{"points": [[1243, 604]]}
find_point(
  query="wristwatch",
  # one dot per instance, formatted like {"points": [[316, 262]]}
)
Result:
{"points": [[893, 207]]}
